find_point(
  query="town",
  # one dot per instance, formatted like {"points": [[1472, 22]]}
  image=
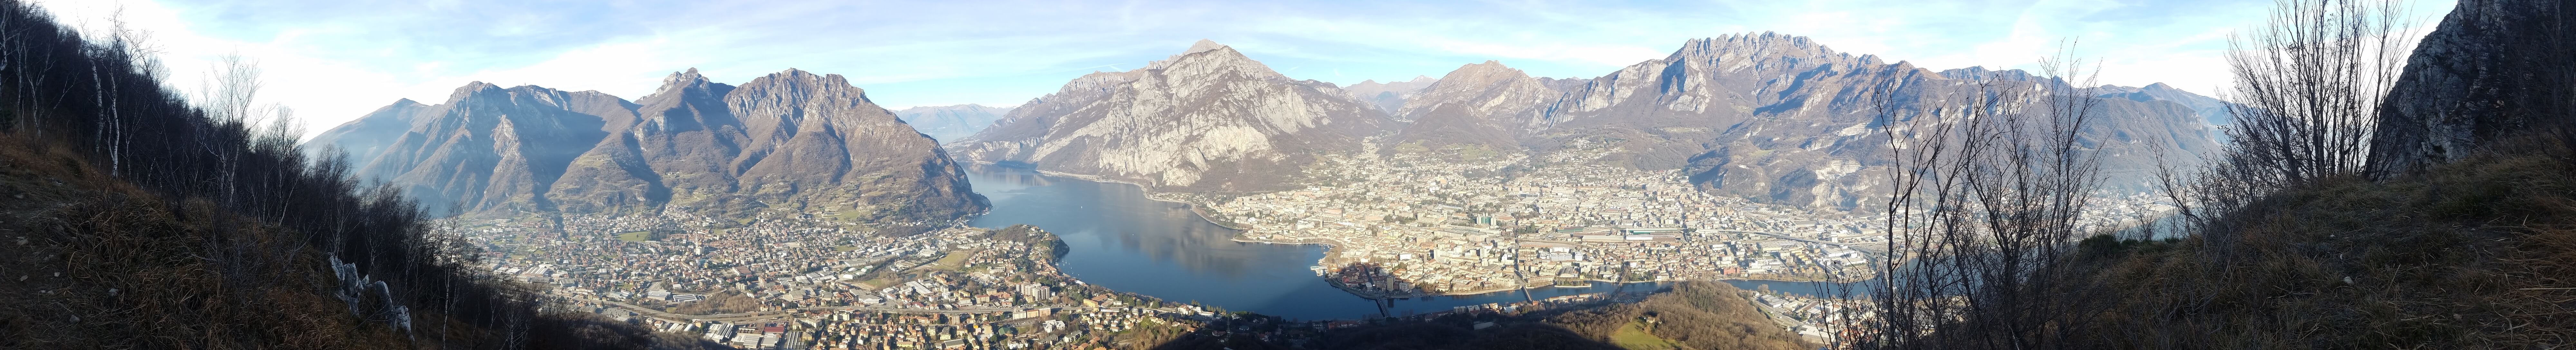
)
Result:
{"points": [[1407, 226], [1398, 227], [803, 283], [1437, 229]]}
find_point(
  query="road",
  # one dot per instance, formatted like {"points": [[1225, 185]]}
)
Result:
{"points": [[1880, 252]]}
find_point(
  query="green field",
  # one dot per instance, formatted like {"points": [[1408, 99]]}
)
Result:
{"points": [[847, 216], [637, 236], [1634, 337], [950, 262]]}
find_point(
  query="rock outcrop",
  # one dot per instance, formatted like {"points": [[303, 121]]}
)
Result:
{"points": [[791, 141], [1207, 120], [2491, 68]]}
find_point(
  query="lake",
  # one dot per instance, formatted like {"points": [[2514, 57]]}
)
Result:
{"points": [[1123, 240]]}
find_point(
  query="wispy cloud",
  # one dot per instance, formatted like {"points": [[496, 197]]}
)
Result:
{"points": [[335, 60]]}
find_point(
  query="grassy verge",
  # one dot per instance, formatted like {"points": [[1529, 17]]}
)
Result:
{"points": [[92, 262], [2470, 256], [950, 262], [1634, 337]]}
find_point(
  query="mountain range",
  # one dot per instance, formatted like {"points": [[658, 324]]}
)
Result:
{"points": [[1774, 118], [1771, 117], [792, 141]]}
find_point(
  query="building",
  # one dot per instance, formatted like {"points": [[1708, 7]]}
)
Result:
{"points": [[1036, 291]]}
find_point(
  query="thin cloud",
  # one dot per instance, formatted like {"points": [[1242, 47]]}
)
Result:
{"points": [[337, 60]]}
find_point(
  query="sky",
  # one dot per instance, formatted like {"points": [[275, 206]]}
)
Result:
{"points": [[335, 60]]}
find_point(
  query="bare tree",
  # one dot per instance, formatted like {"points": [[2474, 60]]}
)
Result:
{"points": [[230, 89], [2309, 85], [1985, 211], [1989, 196]]}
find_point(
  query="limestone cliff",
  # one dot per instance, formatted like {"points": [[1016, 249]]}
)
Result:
{"points": [[791, 141], [1206, 120], [2491, 68]]}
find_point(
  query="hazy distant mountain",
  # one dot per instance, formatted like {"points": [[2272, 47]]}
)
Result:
{"points": [[951, 123], [1476, 110], [793, 141], [2209, 109], [368, 136], [1389, 96], [1206, 120]]}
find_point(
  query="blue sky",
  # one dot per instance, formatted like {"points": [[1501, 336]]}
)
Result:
{"points": [[334, 60]]}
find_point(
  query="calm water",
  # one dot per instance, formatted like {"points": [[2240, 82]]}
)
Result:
{"points": [[1122, 240]]}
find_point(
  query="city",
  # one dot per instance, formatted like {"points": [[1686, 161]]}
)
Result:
{"points": [[1442, 232], [1397, 227]]}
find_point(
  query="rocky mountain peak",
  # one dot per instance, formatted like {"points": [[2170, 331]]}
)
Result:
{"points": [[798, 77], [1207, 57], [793, 94], [1471, 112], [472, 89], [683, 81], [1751, 43], [1203, 45], [1751, 50], [1481, 74], [1209, 119]]}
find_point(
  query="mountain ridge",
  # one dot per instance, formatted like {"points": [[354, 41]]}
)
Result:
{"points": [[1206, 120], [791, 140]]}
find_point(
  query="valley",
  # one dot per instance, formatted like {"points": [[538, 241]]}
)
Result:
{"points": [[1206, 184], [1092, 175]]}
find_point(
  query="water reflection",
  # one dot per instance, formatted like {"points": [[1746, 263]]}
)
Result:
{"points": [[1122, 240], [1125, 241]]}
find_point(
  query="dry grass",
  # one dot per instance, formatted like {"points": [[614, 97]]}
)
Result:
{"points": [[720, 303], [106, 265], [2467, 257], [1699, 315], [140, 272]]}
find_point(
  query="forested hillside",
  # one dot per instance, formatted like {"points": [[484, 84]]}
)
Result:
{"points": [[136, 218], [1692, 315]]}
